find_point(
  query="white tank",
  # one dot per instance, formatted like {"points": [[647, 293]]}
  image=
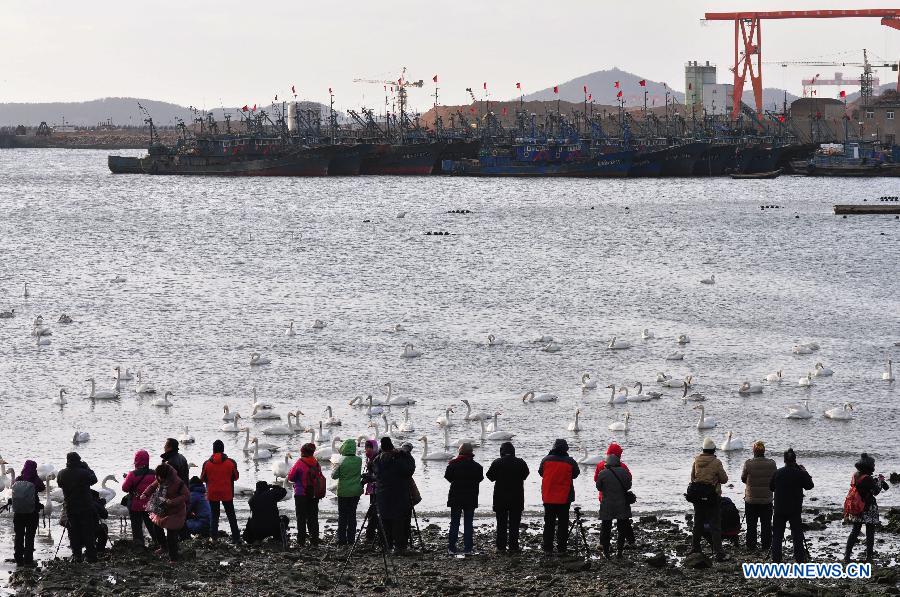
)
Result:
{"points": [[292, 117]]}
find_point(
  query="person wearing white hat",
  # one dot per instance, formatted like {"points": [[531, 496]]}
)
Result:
{"points": [[707, 475]]}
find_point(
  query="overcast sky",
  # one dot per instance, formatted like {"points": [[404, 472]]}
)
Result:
{"points": [[209, 53]]}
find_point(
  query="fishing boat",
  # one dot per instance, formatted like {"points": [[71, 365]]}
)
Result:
{"points": [[756, 175]]}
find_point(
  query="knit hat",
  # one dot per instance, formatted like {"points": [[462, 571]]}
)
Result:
{"points": [[614, 448], [195, 480], [866, 464], [386, 443], [560, 445], [507, 449], [709, 444], [466, 449], [307, 449], [218, 447]]}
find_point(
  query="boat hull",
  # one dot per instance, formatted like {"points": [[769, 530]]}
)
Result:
{"points": [[715, 160], [401, 160], [607, 165]]}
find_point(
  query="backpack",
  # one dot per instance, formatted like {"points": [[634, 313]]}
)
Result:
{"points": [[24, 497], [315, 482], [854, 504]]}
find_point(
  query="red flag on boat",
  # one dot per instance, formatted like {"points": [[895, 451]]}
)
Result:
{"points": [[276, 97], [642, 82], [504, 111], [254, 107], [518, 86], [434, 78], [585, 88], [619, 94], [690, 86], [472, 110], [843, 93], [246, 108], [616, 86], [556, 89], [293, 90], [329, 91], [485, 85], [781, 119], [590, 97]]}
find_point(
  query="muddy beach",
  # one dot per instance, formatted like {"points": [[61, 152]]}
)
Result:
{"points": [[657, 566]]}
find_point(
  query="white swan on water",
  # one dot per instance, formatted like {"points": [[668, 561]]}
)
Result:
{"points": [[261, 414], [616, 344], [677, 383], [551, 346], [101, 394], [806, 380], [683, 339], [227, 414], [675, 356], [42, 341], [587, 383], [531, 396], [543, 339], [650, 395], [262, 445], [144, 387], [620, 425], [705, 422], [319, 325], [802, 349], [730, 444], [61, 399], [748, 388], [438, 455], [281, 468], [709, 280], [262, 405], [646, 334], [331, 421], [695, 397], [127, 376], [186, 437], [290, 331], [259, 453], [494, 341], [574, 426], [496, 435], [588, 459], [888, 374], [636, 397], [406, 426], [284, 429], [444, 420], [391, 400], [774, 377], [233, 426], [615, 398], [840, 413], [373, 410], [164, 401], [257, 359], [799, 412], [81, 437], [823, 371], [473, 416], [410, 352]]}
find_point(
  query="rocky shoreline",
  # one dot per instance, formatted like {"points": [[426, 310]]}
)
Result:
{"points": [[656, 567]]}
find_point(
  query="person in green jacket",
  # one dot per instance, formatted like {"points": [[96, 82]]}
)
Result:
{"points": [[349, 476]]}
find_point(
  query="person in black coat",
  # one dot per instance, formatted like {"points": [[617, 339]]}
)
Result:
{"points": [[464, 475], [173, 458], [264, 518], [393, 470], [75, 480], [788, 484], [508, 474]]}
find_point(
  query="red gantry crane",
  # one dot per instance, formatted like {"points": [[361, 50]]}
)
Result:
{"points": [[748, 63]]}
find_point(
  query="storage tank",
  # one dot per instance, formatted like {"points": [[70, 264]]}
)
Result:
{"points": [[292, 117]]}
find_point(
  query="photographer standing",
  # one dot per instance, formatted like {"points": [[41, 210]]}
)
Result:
{"points": [[265, 519], [557, 471], [865, 511], [75, 480], [393, 469], [464, 475], [707, 476], [349, 475], [26, 509], [509, 473], [614, 483], [756, 475], [788, 484]]}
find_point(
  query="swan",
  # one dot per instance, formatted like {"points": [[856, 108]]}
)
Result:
{"points": [[232, 427], [45, 471], [377, 434], [683, 339], [705, 422], [495, 435], [646, 334], [587, 459], [398, 328], [319, 325], [748, 388], [328, 451], [357, 402], [806, 380], [543, 339], [256, 359], [127, 376], [675, 383], [530, 396], [118, 279], [410, 352], [494, 341], [61, 399], [372, 410], [649, 395], [287, 429], [8, 314], [297, 425], [574, 426], [823, 371], [228, 415], [615, 398], [394, 401], [64, 319], [587, 383], [261, 405], [262, 445], [613, 345], [107, 493], [799, 412], [392, 429], [81, 437], [633, 397], [695, 397], [814, 346], [144, 387], [41, 330], [888, 374], [186, 437], [460, 441], [551, 347], [260, 414], [774, 377], [841, 413], [164, 401], [331, 421], [709, 280], [290, 331], [258, 453], [661, 377], [3, 473], [324, 434], [101, 394], [731, 445], [470, 416], [406, 426], [444, 421], [675, 356], [438, 455], [281, 468], [42, 341], [801, 349], [620, 425]]}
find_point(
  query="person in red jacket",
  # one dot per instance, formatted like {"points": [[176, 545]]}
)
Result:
{"points": [[627, 529], [557, 471], [219, 473]]}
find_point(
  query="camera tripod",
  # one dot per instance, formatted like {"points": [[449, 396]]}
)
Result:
{"points": [[581, 545], [384, 548]]}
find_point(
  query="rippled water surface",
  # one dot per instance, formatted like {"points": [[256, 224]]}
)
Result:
{"points": [[217, 267]]}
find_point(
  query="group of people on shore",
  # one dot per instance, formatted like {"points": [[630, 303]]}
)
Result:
{"points": [[171, 506]]}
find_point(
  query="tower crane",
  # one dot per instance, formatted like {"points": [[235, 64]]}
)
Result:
{"points": [[401, 84], [866, 82]]}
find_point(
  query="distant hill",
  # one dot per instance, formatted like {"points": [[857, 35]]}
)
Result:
{"points": [[121, 110], [601, 85]]}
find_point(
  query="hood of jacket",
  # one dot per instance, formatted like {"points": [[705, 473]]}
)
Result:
{"points": [[198, 488], [507, 449], [218, 457], [613, 460], [560, 448], [348, 448], [29, 471], [73, 459], [141, 459]]}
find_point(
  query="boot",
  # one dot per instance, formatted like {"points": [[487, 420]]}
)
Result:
{"points": [[606, 551], [848, 553]]}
